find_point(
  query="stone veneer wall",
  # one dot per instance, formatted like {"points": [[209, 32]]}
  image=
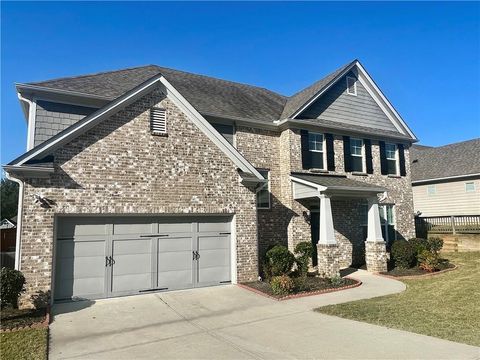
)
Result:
{"points": [[119, 167]]}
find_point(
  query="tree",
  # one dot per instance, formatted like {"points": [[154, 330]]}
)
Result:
{"points": [[8, 199]]}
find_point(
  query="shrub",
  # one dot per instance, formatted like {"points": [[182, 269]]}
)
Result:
{"points": [[11, 282], [304, 252], [300, 283], [337, 281], [282, 285], [418, 244], [429, 261], [279, 260], [434, 244], [403, 254]]}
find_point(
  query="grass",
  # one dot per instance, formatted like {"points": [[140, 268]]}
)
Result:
{"points": [[446, 306], [24, 344]]}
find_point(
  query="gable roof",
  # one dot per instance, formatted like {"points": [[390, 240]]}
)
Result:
{"points": [[453, 160], [73, 131], [220, 98], [296, 101], [207, 94]]}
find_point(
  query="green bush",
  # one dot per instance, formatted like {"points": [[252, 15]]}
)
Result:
{"points": [[418, 244], [11, 282], [300, 283], [429, 261], [282, 285], [279, 261], [434, 244], [337, 281], [304, 252], [403, 254]]}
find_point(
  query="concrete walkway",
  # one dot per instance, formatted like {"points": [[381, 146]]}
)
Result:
{"points": [[229, 322]]}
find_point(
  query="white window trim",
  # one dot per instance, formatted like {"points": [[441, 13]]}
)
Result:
{"points": [[397, 160], [474, 187], [269, 192], [364, 162], [324, 147], [434, 187], [354, 86]]}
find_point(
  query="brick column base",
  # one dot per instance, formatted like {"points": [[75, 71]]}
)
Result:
{"points": [[376, 256], [328, 264]]}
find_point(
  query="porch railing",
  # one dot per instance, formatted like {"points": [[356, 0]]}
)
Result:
{"points": [[459, 224]]}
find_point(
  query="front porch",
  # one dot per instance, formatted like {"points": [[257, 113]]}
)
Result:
{"points": [[340, 243]]}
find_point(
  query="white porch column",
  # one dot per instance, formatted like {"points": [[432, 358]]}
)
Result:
{"points": [[374, 226], [327, 247], [326, 231], [375, 247]]}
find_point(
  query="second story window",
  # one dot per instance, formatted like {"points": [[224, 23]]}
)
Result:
{"points": [[356, 152], [316, 149], [470, 186], [391, 152], [431, 190], [263, 195]]}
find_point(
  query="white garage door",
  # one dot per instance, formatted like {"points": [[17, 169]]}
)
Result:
{"points": [[98, 257]]}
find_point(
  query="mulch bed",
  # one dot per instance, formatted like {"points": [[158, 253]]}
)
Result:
{"points": [[417, 272], [15, 319], [313, 285]]}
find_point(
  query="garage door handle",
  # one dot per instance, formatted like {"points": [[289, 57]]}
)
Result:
{"points": [[107, 262], [196, 255]]}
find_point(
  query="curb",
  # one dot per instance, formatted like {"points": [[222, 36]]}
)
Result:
{"points": [[36, 325], [303, 294], [408, 277]]}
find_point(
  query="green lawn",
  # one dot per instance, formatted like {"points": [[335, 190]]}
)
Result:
{"points": [[446, 306], [24, 344]]}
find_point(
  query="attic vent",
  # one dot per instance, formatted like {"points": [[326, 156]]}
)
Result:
{"points": [[351, 86], [158, 121]]}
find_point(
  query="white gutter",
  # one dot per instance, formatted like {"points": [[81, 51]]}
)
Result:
{"points": [[32, 110], [19, 218]]}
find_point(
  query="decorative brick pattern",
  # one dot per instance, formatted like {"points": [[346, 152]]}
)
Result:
{"points": [[376, 256], [328, 260], [118, 167]]}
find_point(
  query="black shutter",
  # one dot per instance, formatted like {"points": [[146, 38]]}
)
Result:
{"points": [[383, 158], [347, 155], [368, 155], [401, 158], [330, 152], [306, 157]]}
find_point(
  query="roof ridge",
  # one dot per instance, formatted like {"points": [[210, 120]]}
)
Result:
{"points": [[223, 80], [93, 74]]}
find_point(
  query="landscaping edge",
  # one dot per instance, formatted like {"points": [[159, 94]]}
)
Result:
{"points": [[37, 325], [304, 294], [407, 277]]}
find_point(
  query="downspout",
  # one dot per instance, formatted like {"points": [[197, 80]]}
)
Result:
{"points": [[32, 108], [19, 218]]}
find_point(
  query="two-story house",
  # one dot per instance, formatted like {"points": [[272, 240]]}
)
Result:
{"points": [[152, 179]]}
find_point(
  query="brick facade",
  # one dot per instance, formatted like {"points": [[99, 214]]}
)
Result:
{"points": [[119, 167]]}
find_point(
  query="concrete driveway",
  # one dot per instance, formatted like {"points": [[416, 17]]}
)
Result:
{"points": [[229, 322]]}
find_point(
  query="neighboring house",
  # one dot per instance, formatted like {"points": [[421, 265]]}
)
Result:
{"points": [[150, 179], [446, 179]]}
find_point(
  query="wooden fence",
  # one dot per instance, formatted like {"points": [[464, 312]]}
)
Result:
{"points": [[460, 224]]}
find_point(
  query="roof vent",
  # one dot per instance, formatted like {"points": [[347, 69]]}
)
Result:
{"points": [[351, 85], [158, 121]]}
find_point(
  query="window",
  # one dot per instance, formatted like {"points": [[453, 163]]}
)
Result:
{"points": [[351, 86], [356, 150], [391, 153], [431, 190], [226, 131], [263, 195], [158, 121], [315, 146], [470, 186]]}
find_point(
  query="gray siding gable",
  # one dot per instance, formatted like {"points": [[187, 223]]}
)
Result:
{"points": [[339, 107], [51, 118]]}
